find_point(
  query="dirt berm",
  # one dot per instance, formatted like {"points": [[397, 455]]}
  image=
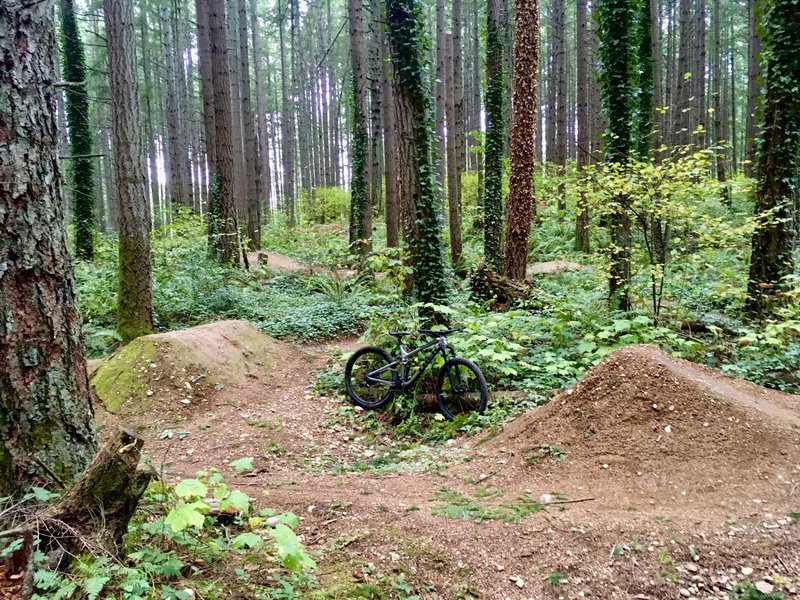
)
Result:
{"points": [[646, 422], [172, 372]]}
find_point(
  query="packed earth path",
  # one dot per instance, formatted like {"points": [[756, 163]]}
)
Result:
{"points": [[521, 513]]}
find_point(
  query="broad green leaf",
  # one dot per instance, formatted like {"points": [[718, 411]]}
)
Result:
{"points": [[291, 552], [246, 540], [236, 499], [186, 515], [243, 465], [191, 488]]}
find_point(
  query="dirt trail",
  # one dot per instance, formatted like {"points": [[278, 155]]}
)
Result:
{"points": [[365, 502]]}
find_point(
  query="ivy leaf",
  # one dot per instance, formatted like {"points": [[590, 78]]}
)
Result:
{"points": [[246, 540], [191, 488], [290, 550]]}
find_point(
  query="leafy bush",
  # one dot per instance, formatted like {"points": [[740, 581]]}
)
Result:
{"points": [[198, 521], [325, 205]]}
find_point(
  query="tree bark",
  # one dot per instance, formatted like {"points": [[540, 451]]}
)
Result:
{"points": [[287, 132], [263, 133], [523, 138], [389, 144], [46, 417]]}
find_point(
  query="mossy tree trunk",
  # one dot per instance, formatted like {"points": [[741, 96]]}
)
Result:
{"points": [[778, 159], [223, 230], [135, 294], [422, 220], [360, 205], [46, 419], [495, 140], [616, 30], [523, 137], [81, 163]]}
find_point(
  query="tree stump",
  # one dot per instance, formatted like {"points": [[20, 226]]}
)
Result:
{"points": [[488, 285], [102, 501]]}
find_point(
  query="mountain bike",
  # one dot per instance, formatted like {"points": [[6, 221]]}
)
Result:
{"points": [[373, 376]]}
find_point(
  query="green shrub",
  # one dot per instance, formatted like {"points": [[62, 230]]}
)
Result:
{"points": [[325, 205]]}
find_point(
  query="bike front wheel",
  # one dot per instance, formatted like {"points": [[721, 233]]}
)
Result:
{"points": [[461, 388], [368, 377]]}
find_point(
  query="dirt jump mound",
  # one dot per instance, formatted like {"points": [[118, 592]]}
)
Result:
{"points": [[644, 416], [170, 372]]}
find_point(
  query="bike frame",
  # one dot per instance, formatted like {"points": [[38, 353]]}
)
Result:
{"points": [[400, 379]]}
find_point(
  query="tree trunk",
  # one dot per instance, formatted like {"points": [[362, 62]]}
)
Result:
{"points": [[584, 144], [441, 76], [421, 222], [753, 87], [252, 166], [46, 418], [241, 199], [81, 163], [719, 116], [360, 207], [616, 23], [495, 140], [263, 134], [523, 138], [389, 144], [134, 296], [152, 158], [453, 174], [287, 132], [223, 229], [773, 243]]}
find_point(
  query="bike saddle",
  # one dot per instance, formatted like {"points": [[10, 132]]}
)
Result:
{"points": [[440, 332], [399, 334]]}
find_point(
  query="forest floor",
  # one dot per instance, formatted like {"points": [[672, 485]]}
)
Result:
{"points": [[651, 478]]}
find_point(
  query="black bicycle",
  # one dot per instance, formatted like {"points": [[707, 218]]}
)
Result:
{"points": [[373, 376]]}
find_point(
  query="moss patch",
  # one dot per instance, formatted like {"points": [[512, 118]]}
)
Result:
{"points": [[123, 377]]}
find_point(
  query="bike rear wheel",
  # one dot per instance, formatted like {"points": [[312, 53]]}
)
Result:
{"points": [[368, 378], [461, 388]]}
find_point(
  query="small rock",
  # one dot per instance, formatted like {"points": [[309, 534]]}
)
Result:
{"points": [[190, 595], [692, 568], [500, 567], [668, 429], [273, 521], [764, 587], [747, 571], [149, 392], [546, 498], [686, 593]]}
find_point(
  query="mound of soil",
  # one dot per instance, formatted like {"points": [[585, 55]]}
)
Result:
{"points": [[644, 415], [182, 367]]}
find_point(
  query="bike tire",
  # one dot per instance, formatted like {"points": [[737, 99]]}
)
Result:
{"points": [[359, 365], [451, 402]]}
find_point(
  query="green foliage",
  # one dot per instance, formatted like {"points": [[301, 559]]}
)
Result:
{"points": [[324, 205], [176, 528], [189, 289]]}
